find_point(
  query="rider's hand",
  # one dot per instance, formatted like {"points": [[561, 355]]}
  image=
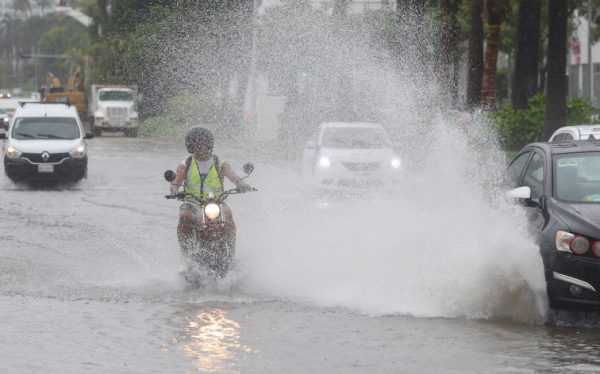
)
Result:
{"points": [[174, 190], [244, 186]]}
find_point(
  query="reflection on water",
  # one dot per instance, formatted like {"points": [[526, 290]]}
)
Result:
{"points": [[210, 341]]}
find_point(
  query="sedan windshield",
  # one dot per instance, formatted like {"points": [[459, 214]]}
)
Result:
{"points": [[355, 137], [578, 178], [116, 96], [45, 128]]}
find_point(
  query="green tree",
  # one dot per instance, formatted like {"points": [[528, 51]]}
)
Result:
{"points": [[21, 5], [44, 3]]}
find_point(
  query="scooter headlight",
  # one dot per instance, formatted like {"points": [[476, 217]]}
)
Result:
{"points": [[13, 153], [212, 211]]}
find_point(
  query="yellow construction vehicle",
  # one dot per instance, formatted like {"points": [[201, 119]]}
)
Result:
{"points": [[75, 93]]}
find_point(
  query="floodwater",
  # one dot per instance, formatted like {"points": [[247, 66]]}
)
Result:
{"points": [[409, 284]]}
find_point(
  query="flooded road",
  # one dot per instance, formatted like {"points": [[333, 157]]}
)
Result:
{"points": [[88, 281]]}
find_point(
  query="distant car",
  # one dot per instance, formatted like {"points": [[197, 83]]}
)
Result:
{"points": [[581, 132], [18, 92], [5, 94], [45, 142], [4, 118], [558, 183], [342, 155]]}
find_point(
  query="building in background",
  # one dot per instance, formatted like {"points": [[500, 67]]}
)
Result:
{"points": [[578, 65]]}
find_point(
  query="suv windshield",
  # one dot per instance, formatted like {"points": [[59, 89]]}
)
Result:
{"points": [[355, 137], [45, 128], [577, 177], [116, 96]]}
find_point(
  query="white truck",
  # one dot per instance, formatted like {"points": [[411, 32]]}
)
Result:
{"points": [[114, 108]]}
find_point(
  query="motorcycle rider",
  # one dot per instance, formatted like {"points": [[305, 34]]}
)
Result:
{"points": [[202, 167]]}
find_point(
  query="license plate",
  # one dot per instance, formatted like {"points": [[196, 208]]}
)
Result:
{"points": [[46, 168]]}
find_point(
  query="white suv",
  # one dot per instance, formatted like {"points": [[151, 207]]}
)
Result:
{"points": [[45, 141], [342, 155], [581, 132]]}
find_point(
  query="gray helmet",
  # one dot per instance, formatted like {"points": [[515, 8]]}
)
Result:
{"points": [[198, 133]]}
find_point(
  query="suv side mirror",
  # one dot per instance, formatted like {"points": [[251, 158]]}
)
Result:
{"points": [[310, 145], [170, 175], [248, 168], [89, 135]]}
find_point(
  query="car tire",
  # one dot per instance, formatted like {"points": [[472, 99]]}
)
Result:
{"points": [[96, 131], [132, 133]]}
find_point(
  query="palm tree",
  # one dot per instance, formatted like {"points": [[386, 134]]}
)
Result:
{"points": [[556, 86], [43, 3], [526, 60], [498, 14], [21, 5], [475, 54], [449, 48], [340, 7]]}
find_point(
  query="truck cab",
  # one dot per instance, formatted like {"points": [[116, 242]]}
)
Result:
{"points": [[114, 109]]}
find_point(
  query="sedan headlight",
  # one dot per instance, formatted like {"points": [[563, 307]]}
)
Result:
{"points": [[6, 119], [78, 152], [395, 163], [13, 153], [212, 211], [325, 162], [563, 239], [576, 244]]}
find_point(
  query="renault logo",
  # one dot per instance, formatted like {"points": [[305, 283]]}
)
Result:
{"points": [[45, 156]]}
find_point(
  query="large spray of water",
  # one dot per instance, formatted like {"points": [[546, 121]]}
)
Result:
{"points": [[444, 244]]}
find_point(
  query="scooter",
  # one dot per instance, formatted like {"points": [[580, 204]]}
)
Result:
{"points": [[210, 251]]}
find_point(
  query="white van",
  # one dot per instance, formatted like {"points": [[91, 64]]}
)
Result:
{"points": [[45, 141]]}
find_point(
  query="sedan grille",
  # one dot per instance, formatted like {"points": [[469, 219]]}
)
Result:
{"points": [[360, 166], [37, 157], [116, 112]]}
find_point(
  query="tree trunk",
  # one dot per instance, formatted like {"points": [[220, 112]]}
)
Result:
{"points": [[488, 89], [449, 49], [526, 60], [475, 55], [498, 13], [340, 7], [556, 86]]}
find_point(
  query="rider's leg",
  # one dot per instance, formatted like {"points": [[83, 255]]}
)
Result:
{"points": [[185, 233], [229, 228]]}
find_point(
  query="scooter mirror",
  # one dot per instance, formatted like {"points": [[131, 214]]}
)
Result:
{"points": [[248, 168], [170, 175]]}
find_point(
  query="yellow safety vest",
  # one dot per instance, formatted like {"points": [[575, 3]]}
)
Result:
{"points": [[212, 183]]}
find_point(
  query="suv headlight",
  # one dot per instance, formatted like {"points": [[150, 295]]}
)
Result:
{"points": [[78, 152], [395, 162], [13, 153], [325, 161]]}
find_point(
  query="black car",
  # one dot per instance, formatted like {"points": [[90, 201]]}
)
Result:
{"points": [[559, 184]]}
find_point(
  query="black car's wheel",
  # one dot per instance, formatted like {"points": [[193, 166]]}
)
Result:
{"points": [[132, 133]]}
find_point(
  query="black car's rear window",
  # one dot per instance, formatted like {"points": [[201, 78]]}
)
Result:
{"points": [[45, 128], [577, 177]]}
